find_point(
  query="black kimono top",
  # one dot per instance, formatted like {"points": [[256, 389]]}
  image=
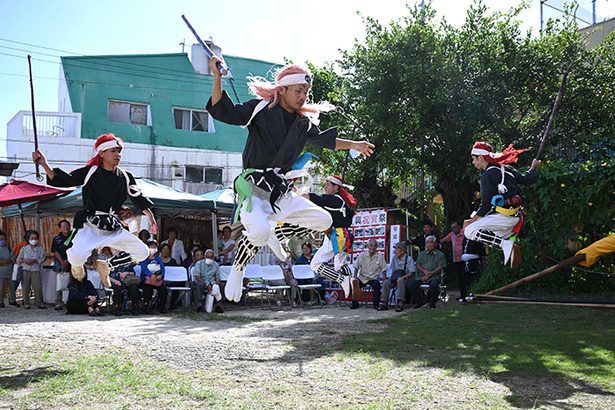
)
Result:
{"points": [[493, 176], [340, 212], [276, 137], [105, 190]]}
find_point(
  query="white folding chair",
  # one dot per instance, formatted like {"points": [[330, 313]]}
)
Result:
{"points": [[225, 271], [272, 273], [305, 272], [179, 274]]}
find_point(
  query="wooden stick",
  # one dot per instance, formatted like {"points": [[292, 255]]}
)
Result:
{"points": [[36, 165], [558, 101], [533, 302], [566, 262]]}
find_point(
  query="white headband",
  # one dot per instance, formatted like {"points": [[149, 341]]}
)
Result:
{"points": [[292, 79], [109, 144], [480, 151], [338, 182]]}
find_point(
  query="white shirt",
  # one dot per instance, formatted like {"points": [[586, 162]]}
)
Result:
{"points": [[177, 252]]}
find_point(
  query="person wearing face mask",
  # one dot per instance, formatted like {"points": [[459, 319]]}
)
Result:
{"points": [[31, 258], [6, 268], [206, 275], [152, 277]]}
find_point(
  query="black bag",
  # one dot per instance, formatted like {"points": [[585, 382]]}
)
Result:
{"points": [[398, 273]]}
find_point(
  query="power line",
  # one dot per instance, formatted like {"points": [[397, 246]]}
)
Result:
{"points": [[97, 82]]}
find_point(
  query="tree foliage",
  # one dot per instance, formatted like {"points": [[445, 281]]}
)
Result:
{"points": [[423, 91]]}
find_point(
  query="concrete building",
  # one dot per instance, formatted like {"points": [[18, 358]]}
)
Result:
{"points": [[598, 32], [155, 103]]}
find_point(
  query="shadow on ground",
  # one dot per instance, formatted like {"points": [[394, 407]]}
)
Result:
{"points": [[16, 381]]}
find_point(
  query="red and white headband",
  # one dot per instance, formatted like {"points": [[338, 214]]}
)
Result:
{"points": [[292, 79], [336, 181], [480, 151], [114, 143]]}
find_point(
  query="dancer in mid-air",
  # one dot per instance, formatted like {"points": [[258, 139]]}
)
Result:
{"points": [[280, 123], [106, 187]]}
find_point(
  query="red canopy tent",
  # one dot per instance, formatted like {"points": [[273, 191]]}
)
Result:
{"points": [[17, 191]]}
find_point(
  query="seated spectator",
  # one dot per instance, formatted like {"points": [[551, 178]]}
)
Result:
{"points": [[402, 269], [178, 252], [429, 266], [144, 235], [196, 254], [31, 258], [123, 279], [306, 254], [6, 268], [289, 280], [196, 243], [17, 276], [367, 270], [165, 255], [226, 254], [82, 297], [206, 274], [152, 277], [220, 236], [105, 253]]}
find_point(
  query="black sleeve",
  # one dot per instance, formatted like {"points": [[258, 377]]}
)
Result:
{"points": [[228, 112], [330, 201], [140, 201], [54, 245], [325, 139], [90, 289], [63, 179], [527, 178], [488, 188]]}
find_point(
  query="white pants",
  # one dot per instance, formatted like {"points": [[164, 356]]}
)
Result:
{"points": [[324, 255], [293, 209], [499, 224], [90, 237]]}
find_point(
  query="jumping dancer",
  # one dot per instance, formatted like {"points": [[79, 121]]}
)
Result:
{"points": [[338, 241], [499, 217], [280, 122], [105, 189]]}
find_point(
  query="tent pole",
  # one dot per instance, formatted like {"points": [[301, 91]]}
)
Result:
{"points": [[214, 228]]}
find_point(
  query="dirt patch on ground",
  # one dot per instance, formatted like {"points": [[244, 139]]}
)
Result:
{"points": [[252, 352]]}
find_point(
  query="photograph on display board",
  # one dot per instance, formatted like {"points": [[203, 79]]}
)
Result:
{"points": [[380, 231], [357, 247], [369, 232], [356, 220], [355, 256], [358, 232], [380, 244]]}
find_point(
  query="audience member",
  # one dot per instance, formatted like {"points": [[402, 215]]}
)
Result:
{"points": [[123, 279], [367, 269], [306, 254], [402, 270], [60, 261], [152, 277], [206, 275], [220, 237], [456, 238], [228, 244], [17, 277], [145, 236], [429, 266], [289, 280], [196, 242], [82, 297], [31, 258], [178, 251], [6, 269], [295, 247], [166, 255], [196, 254], [427, 231], [473, 253]]}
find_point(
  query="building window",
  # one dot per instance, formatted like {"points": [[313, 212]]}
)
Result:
{"points": [[191, 120], [213, 176], [193, 174], [128, 113]]}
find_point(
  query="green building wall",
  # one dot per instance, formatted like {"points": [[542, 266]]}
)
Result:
{"points": [[163, 81]]}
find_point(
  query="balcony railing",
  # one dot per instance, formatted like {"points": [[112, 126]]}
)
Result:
{"points": [[48, 124]]}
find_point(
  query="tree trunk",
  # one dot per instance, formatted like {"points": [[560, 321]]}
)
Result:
{"points": [[458, 196]]}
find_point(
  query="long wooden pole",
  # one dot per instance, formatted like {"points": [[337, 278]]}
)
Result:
{"points": [[36, 165], [566, 262]]}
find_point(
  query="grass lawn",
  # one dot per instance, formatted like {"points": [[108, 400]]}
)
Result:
{"points": [[479, 356]]}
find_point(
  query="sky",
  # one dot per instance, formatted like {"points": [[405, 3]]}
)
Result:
{"points": [[269, 30]]}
